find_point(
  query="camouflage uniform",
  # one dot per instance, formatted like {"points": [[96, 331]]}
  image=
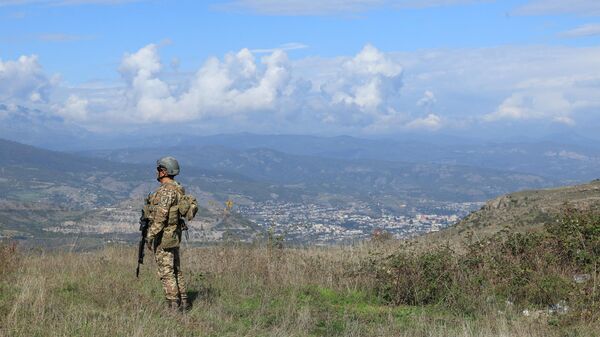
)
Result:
{"points": [[164, 235]]}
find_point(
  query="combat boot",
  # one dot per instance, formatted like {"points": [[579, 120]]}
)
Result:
{"points": [[172, 305], [185, 305]]}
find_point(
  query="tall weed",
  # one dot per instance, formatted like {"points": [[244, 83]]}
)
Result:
{"points": [[555, 270], [9, 258]]}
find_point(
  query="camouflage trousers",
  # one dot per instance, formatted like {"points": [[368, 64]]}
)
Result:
{"points": [[170, 274]]}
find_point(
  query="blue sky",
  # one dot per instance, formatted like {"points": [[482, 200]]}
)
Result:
{"points": [[87, 41], [364, 67]]}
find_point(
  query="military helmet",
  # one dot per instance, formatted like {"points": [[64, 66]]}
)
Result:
{"points": [[170, 164]]}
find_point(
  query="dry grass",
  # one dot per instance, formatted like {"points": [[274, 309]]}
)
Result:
{"points": [[237, 291]]}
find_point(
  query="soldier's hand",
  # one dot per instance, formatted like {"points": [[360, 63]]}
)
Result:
{"points": [[149, 244]]}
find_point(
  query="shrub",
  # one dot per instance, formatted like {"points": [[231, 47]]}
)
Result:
{"points": [[576, 235], [536, 269]]}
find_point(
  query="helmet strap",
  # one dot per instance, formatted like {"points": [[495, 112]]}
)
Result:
{"points": [[162, 173]]}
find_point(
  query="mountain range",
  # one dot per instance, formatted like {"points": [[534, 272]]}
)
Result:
{"points": [[42, 190], [565, 159]]}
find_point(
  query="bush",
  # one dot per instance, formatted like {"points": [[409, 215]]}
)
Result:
{"points": [[536, 269], [576, 235], [414, 280]]}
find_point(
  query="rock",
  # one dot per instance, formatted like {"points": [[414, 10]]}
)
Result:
{"points": [[581, 278], [560, 308]]}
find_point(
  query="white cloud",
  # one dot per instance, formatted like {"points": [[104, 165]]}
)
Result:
{"points": [[540, 84], [552, 7], [147, 96], [373, 62], [237, 85], [564, 120], [357, 92], [145, 62], [285, 47], [219, 88], [430, 122], [427, 101], [24, 80], [534, 105], [365, 81], [75, 109], [582, 31], [326, 7], [371, 92]]}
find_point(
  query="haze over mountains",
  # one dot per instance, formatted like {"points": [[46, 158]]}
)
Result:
{"points": [[560, 157], [43, 190], [563, 156], [99, 191]]}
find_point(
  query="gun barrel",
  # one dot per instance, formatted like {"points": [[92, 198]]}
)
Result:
{"points": [[140, 257], [144, 229]]}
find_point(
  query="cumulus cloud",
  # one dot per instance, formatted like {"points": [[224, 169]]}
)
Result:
{"points": [[147, 96], [430, 122], [427, 101], [74, 109], [236, 84], [371, 92], [366, 81], [24, 80], [358, 91], [544, 84], [538, 105], [326, 7]]}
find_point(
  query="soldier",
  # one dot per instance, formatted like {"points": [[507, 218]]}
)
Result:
{"points": [[164, 232]]}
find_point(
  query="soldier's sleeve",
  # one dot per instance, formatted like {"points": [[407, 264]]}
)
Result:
{"points": [[161, 213], [146, 208]]}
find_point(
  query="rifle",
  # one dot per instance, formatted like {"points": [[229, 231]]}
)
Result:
{"points": [[144, 223]]}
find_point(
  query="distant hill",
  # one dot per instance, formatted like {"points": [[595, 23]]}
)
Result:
{"points": [[40, 189], [49, 193], [310, 175], [31, 174], [523, 211], [566, 158], [43, 190], [40, 128]]}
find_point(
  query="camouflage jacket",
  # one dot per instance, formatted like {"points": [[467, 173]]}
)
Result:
{"points": [[163, 213]]}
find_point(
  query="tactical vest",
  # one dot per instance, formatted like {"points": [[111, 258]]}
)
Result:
{"points": [[170, 237]]}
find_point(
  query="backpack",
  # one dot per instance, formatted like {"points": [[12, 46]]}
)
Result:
{"points": [[188, 207]]}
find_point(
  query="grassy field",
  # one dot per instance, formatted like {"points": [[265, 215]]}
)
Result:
{"points": [[236, 291]]}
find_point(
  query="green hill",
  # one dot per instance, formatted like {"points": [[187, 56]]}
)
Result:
{"points": [[522, 211], [47, 194]]}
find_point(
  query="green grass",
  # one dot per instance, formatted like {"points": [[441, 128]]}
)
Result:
{"points": [[236, 291]]}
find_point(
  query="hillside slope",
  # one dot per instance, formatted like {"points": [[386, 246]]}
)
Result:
{"points": [[46, 193], [356, 177], [523, 211]]}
